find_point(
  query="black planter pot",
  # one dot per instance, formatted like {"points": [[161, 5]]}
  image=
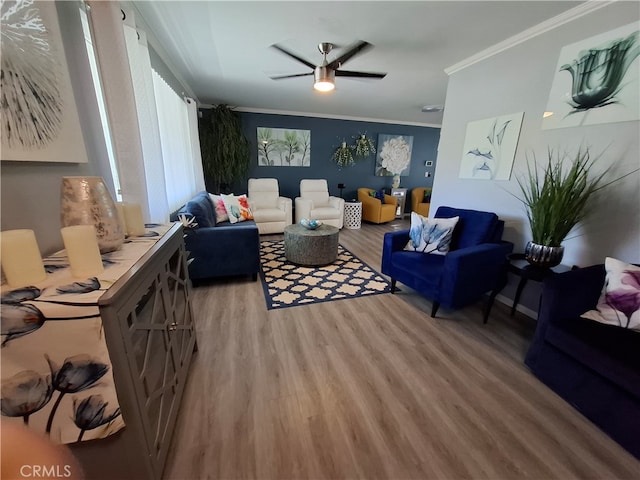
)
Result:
{"points": [[543, 256]]}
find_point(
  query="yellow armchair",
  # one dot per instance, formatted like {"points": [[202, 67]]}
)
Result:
{"points": [[418, 204], [373, 210]]}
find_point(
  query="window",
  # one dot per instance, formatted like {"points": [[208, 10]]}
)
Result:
{"points": [[101, 106], [154, 151]]}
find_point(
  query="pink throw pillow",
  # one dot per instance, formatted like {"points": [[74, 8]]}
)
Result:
{"points": [[218, 206]]}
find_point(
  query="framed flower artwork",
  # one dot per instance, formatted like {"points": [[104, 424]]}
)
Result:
{"points": [[596, 80], [394, 155], [35, 78]]}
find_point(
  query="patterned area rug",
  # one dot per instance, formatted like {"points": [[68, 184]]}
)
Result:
{"points": [[289, 285]]}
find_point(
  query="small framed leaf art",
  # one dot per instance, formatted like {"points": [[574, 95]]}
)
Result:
{"points": [[490, 147]]}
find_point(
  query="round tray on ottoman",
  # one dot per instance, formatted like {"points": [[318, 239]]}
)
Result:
{"points": [[311, 247]]}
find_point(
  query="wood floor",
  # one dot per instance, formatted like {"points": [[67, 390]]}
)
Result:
{"points": [[373, 388]]}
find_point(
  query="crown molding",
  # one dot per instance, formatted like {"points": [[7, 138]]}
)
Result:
{"points": [[324, 115], [555, 22]]}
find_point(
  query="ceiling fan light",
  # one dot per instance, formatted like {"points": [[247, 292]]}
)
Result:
{"points": [[323, 79], [324, 86]]}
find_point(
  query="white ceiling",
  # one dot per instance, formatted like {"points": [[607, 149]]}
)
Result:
{"points": [[221, 49]]}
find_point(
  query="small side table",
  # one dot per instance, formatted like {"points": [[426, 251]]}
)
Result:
{"points": [[401, 195], [352, 215], [518, 265]]}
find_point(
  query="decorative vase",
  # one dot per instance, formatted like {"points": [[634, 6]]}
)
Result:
{"points": [[543, 256], [86, 201], [396, 181]]}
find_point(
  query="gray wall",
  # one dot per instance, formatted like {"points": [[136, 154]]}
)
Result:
{"points": [[31, 190], [519, 80]]}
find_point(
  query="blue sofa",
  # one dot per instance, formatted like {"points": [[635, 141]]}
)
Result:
{"points": [[593, 366], [474, 265], [219, 250]]}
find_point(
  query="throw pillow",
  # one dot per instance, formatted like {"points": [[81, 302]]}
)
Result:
{"points": [[218, 206], [379, 194], [619, 302], [245, 210], [427, 196], [237, 208], [430, 235]]}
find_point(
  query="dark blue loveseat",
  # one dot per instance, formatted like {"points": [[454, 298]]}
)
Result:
{"points": [[219, 250], [593, 366], [474, 265]]}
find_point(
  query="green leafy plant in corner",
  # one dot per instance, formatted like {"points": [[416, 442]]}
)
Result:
{"points": [[558, 197], [225, 149]]}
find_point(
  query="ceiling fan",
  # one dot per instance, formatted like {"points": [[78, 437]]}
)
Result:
{"points": [[325, 73]]}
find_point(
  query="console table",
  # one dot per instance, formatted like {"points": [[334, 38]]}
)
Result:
{"points": [[104, 358], [401, 195]]}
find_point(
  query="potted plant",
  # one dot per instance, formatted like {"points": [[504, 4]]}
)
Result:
{"points": [[363, 146], [342, 156], [225, 149], [556, 199]]}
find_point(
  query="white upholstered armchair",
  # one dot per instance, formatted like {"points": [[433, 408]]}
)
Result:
{"points": [[271, 212], [314, 202]]}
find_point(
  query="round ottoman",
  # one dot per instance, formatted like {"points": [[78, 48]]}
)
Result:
{"points": [[311, 247]]}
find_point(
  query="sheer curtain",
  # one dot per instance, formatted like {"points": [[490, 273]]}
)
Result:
{"points": [[140, 65], [163, 127], [180, 163]]}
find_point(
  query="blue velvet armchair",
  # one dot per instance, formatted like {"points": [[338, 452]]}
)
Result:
{"points": [[474, 265]]}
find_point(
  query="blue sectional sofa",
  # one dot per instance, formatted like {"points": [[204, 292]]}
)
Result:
{"points": [[593, 366], [219, 250]]}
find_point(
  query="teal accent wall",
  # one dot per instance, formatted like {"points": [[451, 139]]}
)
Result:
{"points": [[326, 135]]}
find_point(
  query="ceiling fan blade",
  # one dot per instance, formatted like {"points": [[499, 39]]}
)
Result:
{"points": [[357, 48], [348, 73], [280, 77], [294, 56]]}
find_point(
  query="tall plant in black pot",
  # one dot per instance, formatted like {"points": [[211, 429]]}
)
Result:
{"points": [[225, 149]]}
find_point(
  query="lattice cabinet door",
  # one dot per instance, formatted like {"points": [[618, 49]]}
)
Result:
{"points": [[152, 349], [178, 295]]}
